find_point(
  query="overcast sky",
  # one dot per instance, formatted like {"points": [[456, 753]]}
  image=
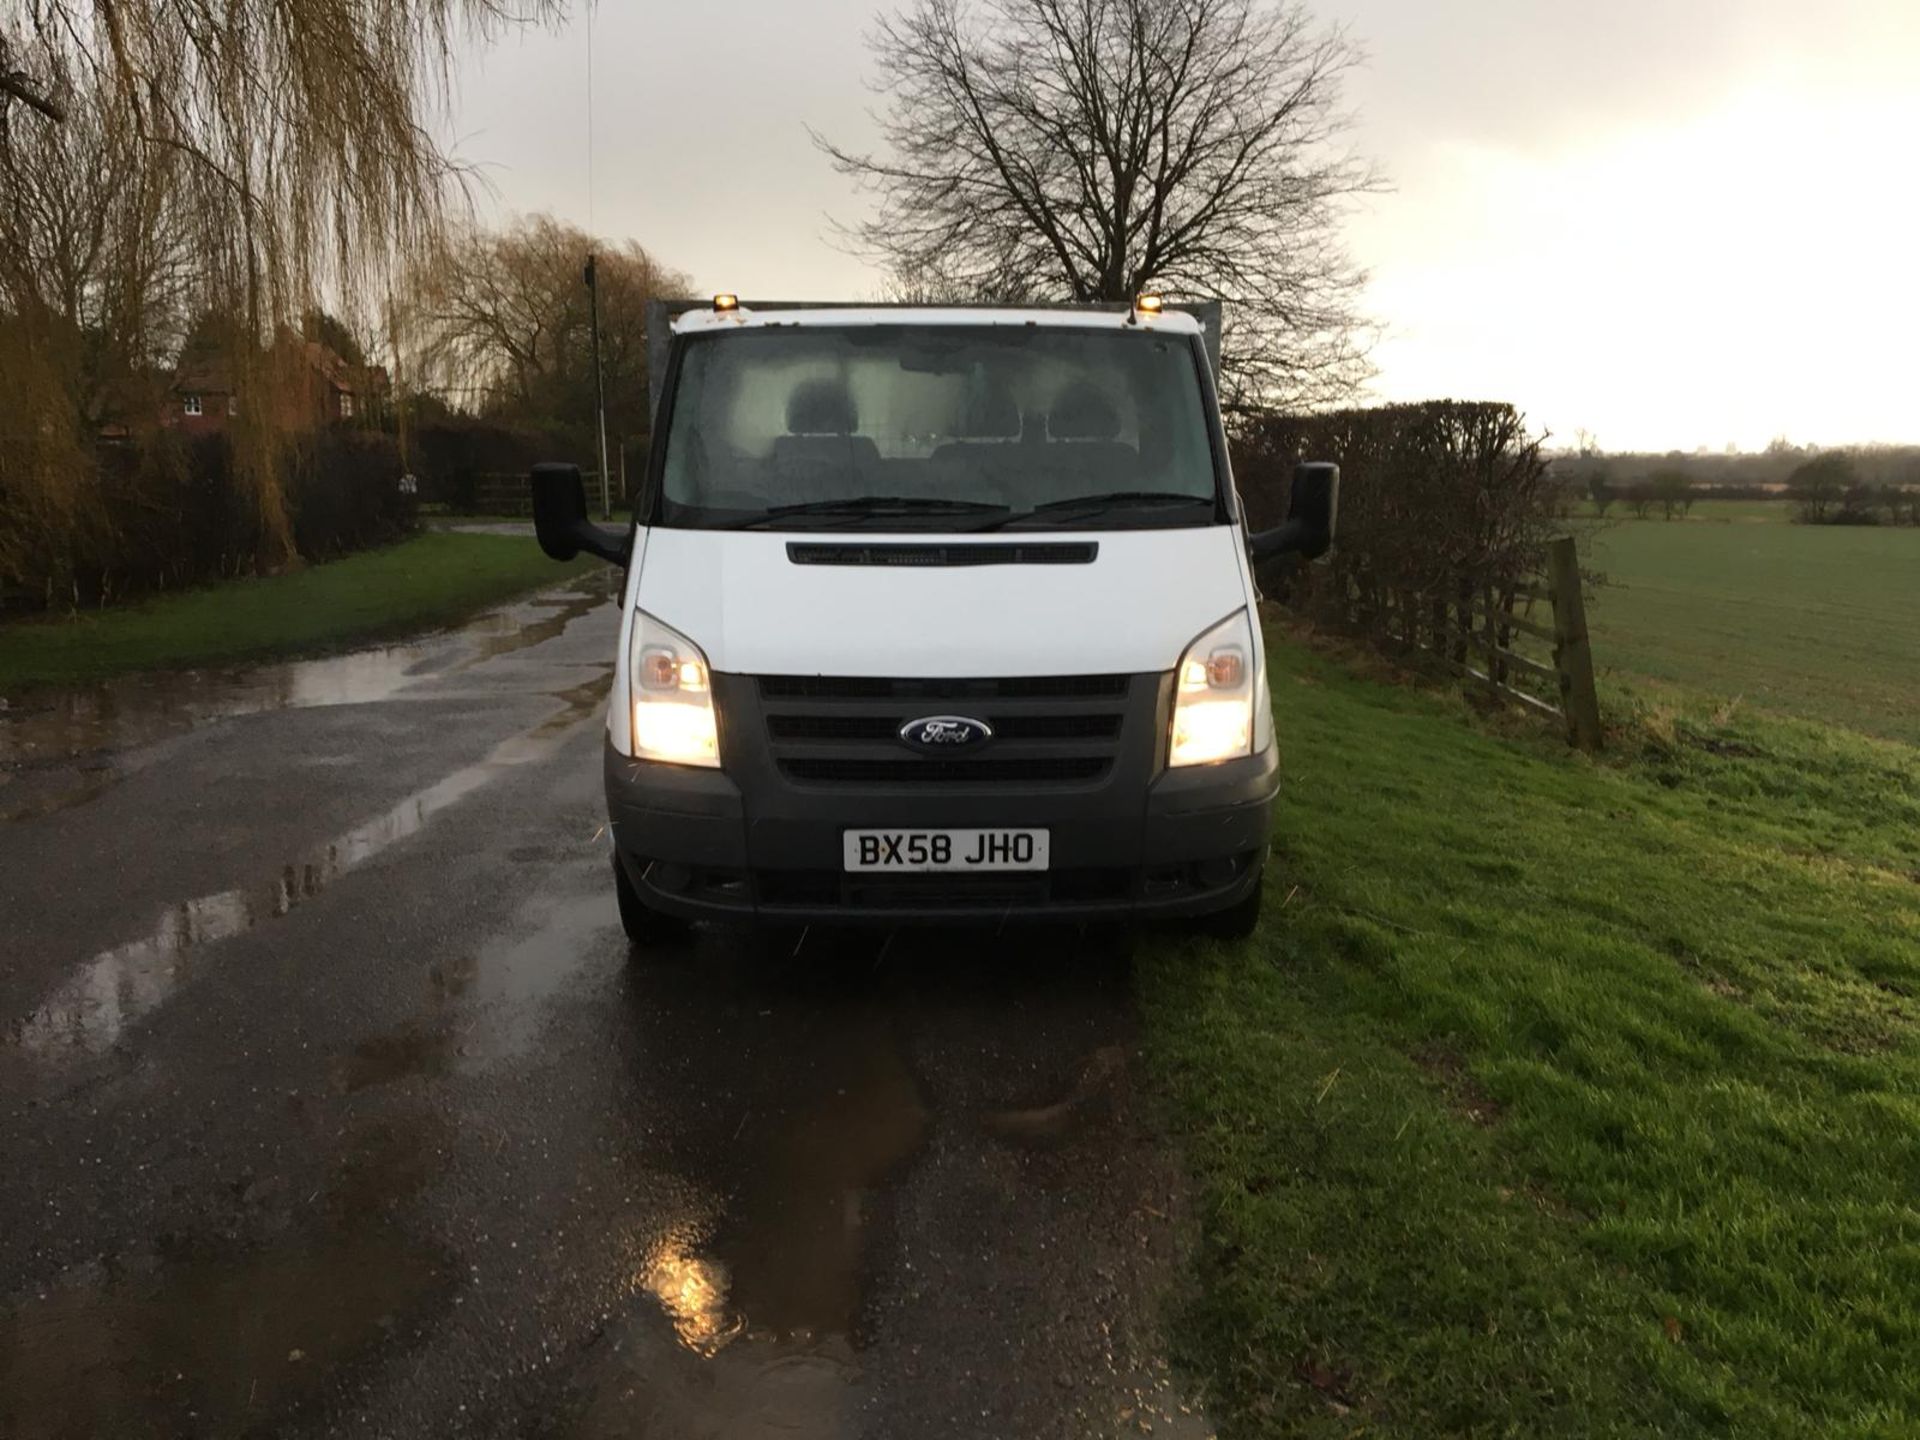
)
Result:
{"points": [[1674, 223]]}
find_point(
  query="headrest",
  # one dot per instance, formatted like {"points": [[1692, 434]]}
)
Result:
{"points": [[1083, 413], [821, 407], [993, 416]]}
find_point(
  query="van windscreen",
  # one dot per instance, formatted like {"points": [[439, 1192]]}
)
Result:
{"points": [[938, 427]]}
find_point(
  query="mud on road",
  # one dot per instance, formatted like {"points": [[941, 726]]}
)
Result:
{"points": [[331, 1104]]}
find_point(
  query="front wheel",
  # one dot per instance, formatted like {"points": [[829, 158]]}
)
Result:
{"points": [[647, 929], [1238, 920]]}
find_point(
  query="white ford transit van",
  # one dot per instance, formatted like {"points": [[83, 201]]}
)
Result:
{"points": [[936, 615]]}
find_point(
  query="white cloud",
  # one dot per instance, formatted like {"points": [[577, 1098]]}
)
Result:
{"points": [[1745, 273]]}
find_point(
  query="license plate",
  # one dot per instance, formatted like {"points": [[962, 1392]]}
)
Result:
{"points": [[945, 850]]}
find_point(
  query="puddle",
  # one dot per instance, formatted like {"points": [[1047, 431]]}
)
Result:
{"points": [[207, 1348], [92, 782], [761, 1302], [512, 974], [117, 987], [426, 1046], [1098, 1076], [766, 1391], [398, 1055], [81, 729], [499, 993], [825, 1114], [791, 1241], [853, 1276], [210, 1341]]}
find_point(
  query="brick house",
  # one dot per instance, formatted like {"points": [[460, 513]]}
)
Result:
{"points": [[310, 385]]}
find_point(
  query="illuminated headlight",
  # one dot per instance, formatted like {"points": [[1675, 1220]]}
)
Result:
{"points": [[1213, 696], [672, 697]]}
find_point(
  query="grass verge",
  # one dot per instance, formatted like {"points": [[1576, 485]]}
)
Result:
{"points": [[1558, 1097], [430, 580]]}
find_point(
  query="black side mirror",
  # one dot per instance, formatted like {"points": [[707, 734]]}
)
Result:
{"points": [[1312, 510], [560, 518]]}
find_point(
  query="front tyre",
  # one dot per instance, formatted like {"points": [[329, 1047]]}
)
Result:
{"points": [[647, 929], [1238, 920]]}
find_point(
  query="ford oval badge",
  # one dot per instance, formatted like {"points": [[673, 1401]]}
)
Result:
{"points": [[945, 732]]}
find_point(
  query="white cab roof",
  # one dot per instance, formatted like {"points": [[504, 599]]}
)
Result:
{"points": [[705, 319]]}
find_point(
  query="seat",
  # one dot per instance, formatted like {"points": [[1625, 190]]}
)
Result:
{"points": [[1084, 454], [820, 457]]}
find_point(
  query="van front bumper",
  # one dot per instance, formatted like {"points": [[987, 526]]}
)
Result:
{"points": [[698, 845]]}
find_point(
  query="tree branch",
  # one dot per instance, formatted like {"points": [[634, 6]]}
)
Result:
{"points": [[20, 86]]}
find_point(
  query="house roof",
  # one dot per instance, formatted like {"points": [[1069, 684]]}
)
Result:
{"points": [[209, 373], [203, 375]]}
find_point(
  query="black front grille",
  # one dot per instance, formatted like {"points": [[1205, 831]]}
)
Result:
{"points": [[845, 730], [985, 771], [886, 727]]}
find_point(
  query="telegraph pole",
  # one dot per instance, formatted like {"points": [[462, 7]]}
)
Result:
{"points": [[599, 390]]}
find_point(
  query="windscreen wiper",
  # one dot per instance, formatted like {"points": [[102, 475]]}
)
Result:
{"points": [[1118, 500], [874, 505]]}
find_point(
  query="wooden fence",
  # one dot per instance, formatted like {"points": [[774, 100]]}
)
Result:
{"points": [[496, 493], [1526, 644]]}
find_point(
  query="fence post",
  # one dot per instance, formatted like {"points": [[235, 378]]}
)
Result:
{"points": [[1498, 639], [1572, 655]]}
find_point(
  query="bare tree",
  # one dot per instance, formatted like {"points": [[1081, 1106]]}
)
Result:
{"points": [[1092, 149], [294, 133], [1672, 491], [1819, 487], [499, 319]]}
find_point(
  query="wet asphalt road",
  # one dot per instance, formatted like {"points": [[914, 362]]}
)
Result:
{"points": [[331, 1104]]}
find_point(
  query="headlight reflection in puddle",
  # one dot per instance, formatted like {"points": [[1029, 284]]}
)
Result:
{"points": [[693, 1291]]}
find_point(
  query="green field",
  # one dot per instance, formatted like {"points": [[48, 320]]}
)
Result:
{"points": [[430, 580], [1559, 1097], [1821, 622]]}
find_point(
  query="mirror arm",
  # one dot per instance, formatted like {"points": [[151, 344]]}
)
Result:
{"points": [[1290, 538], [614, 547]]}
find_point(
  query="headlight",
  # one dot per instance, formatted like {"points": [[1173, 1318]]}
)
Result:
{"points": [[1213, 696], [672, 697]]}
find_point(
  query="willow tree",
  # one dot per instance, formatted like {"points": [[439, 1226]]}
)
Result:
{"points": [[498, 319], [1091, 149], [292, 133], [96, 280]]}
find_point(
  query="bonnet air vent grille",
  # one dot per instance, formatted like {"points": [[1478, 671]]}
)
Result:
{"points": [[1019, 687], [1017, 553]]}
